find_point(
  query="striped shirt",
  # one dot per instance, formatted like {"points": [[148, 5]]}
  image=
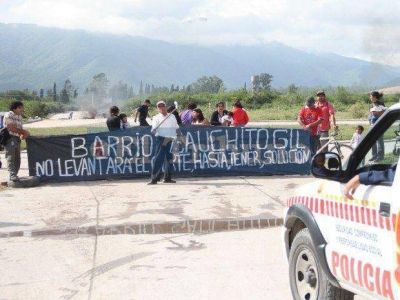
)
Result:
{"points": [[12, 118]]}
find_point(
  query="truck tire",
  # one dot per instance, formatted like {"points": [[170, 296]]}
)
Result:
{"points": [[307, 279]]}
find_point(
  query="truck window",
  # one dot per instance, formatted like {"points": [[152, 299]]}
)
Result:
{"points": [[385, 151]]}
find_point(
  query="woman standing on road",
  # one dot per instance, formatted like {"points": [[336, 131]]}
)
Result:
{"points": [[377, 110]]}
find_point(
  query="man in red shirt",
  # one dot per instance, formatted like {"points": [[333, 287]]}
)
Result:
{"points": [[328, 114], [310, 117]]}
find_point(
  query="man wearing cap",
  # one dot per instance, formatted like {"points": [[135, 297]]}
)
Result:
{"points": [[310, 117], [164, 127], [328, 114]]}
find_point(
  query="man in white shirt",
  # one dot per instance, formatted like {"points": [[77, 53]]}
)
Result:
{"points": [[164, 127]]}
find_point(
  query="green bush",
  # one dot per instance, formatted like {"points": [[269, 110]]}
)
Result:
{"points": [[35, 108], [5, 104], [359, 110]]}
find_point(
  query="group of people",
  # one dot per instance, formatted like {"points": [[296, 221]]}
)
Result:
{"points": [[117, 121], [165, 126], [220, 117], [318, 117], [191, 116]]}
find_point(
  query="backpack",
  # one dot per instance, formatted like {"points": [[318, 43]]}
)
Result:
{"points": [[4, 136]]}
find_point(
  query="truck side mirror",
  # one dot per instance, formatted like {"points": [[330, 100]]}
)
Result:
{"points": [[326, 165]]}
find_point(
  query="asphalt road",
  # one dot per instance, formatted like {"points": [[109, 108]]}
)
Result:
{"points": [[227, 265]]}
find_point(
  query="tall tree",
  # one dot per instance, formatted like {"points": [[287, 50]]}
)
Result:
{"points": [[147, 89], [292, 89], [68, 88], [141, 89], [64, 96], [54, 91], [265, 81], [130, 92], [212, 84], [119, 91], [41, 93], [261, 82], [98, 86]]}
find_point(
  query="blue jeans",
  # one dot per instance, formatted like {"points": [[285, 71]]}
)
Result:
{"points": [[314, 144], [163, 157], [13, 156]]}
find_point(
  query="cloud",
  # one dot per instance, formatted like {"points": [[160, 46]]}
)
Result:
{"points": [[196, 19], [339, 26]]}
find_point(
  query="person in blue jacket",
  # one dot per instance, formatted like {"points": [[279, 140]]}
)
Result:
{"points": [[369, 178]]}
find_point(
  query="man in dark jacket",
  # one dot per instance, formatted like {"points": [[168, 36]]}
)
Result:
{"points": [[113, 121], [143, 113], [369, 178], [217, 115]]}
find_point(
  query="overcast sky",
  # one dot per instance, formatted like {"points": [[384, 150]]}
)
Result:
{"points": [[368, 29]]}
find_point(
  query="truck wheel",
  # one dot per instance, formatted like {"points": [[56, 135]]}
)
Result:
{"points": [[307, 280]]}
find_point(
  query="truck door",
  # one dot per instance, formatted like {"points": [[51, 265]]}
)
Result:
{"points": [[396, 248], [364, 248]]}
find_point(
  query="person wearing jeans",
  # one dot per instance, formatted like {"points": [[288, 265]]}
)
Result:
{"points": [[328, 115], [13, 122], [309, 118], [164, 127], [377, 110], [163, 158]]}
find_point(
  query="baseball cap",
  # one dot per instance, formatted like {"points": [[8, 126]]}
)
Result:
{"points": [[160, 103], [320, 92]]}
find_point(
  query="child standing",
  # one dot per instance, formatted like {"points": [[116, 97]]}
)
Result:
{"points": [[357, 136]]}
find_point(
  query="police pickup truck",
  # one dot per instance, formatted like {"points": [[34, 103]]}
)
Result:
{"points": [[338, 247]]}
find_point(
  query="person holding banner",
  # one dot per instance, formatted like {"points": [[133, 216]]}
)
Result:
{"points": [[164, 127]]}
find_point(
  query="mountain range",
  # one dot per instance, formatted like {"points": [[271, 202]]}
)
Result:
{"points": [[34, 57]]}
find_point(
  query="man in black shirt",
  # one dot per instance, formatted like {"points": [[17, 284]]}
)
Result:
{"points": [[113, 121], [143, 112]]}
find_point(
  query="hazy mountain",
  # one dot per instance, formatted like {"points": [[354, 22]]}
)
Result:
{"points": [[34, 57]]}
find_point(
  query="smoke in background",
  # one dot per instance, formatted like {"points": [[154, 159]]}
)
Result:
{"points": [[381, 43]]}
